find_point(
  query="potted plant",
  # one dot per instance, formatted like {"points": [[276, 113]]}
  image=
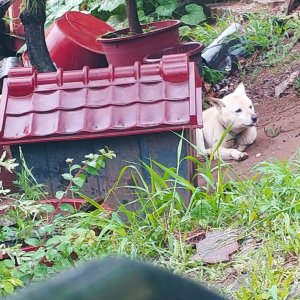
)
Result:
{"points": [[124, 47]]}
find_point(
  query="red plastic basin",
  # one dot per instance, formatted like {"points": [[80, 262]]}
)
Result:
{"points": [[192, 49], [72, 41]]}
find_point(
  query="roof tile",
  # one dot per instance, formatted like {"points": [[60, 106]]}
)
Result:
{"points": [[39, 107]]}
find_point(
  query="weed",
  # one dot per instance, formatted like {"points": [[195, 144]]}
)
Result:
{"points": [[27, 183], [269, 35], [205, 33], [212, 76], [268, 279], [272, 132]]}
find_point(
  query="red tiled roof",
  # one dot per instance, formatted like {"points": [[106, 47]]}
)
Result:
{"points": [[38, 107]]}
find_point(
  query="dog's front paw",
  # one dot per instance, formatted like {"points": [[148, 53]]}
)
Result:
{"points": [[239, 156]]}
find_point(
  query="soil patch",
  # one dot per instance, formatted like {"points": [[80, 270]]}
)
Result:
{"points": [[279, 118]]}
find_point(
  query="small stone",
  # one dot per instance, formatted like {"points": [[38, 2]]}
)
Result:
{"points": [[281, 88], [207, 87], [258, 155], [217, 247]]}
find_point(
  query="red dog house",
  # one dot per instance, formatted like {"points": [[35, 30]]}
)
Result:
{"points": [[132, 110]]}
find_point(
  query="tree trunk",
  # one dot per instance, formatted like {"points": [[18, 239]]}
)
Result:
{"points": [[33, 19], [132, 15]]}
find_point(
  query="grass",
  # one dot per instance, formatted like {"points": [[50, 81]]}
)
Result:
{"points": [[26, 182], [264, 209]]}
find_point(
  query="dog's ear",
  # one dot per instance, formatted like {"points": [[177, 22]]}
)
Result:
{"points": [[218, 103], [240, 89]]}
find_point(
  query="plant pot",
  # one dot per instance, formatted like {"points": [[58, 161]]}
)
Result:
{"points": [[72, 42], [126, 49], [192, 49]]}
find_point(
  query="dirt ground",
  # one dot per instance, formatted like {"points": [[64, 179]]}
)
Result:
{"points": [[279, 118]]}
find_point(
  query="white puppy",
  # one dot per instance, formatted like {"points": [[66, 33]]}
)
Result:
{"points": [[234, 111]]}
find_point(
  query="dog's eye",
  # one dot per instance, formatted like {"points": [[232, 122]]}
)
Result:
{"points": [[238, 110], [250, 106]]}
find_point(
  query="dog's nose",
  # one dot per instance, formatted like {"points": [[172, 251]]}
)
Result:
{"points": [[254, 118]]}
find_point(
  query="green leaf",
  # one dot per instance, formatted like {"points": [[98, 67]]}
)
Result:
{"points": [[32, 242], [195, 15], [9, 263], [91, 170], [92, 164], [166, 7], [79, 180], [75, 167], [91, 201], [8, 287], [48, 208], [109, 5], [67, 176], [26, 278], [75, 188], [59, 194], [66, 207], [53, 241], [16, 282], [38, 255], [100, 163]]}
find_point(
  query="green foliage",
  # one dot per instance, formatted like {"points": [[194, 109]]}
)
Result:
{"points": [[8, 283], [194, 16], [268, 279], [269, 34], [27, 183], [114, 13], [264, 33], [166, 8], [90, 166], [56, 8], [205, 33], [212, 76]]}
